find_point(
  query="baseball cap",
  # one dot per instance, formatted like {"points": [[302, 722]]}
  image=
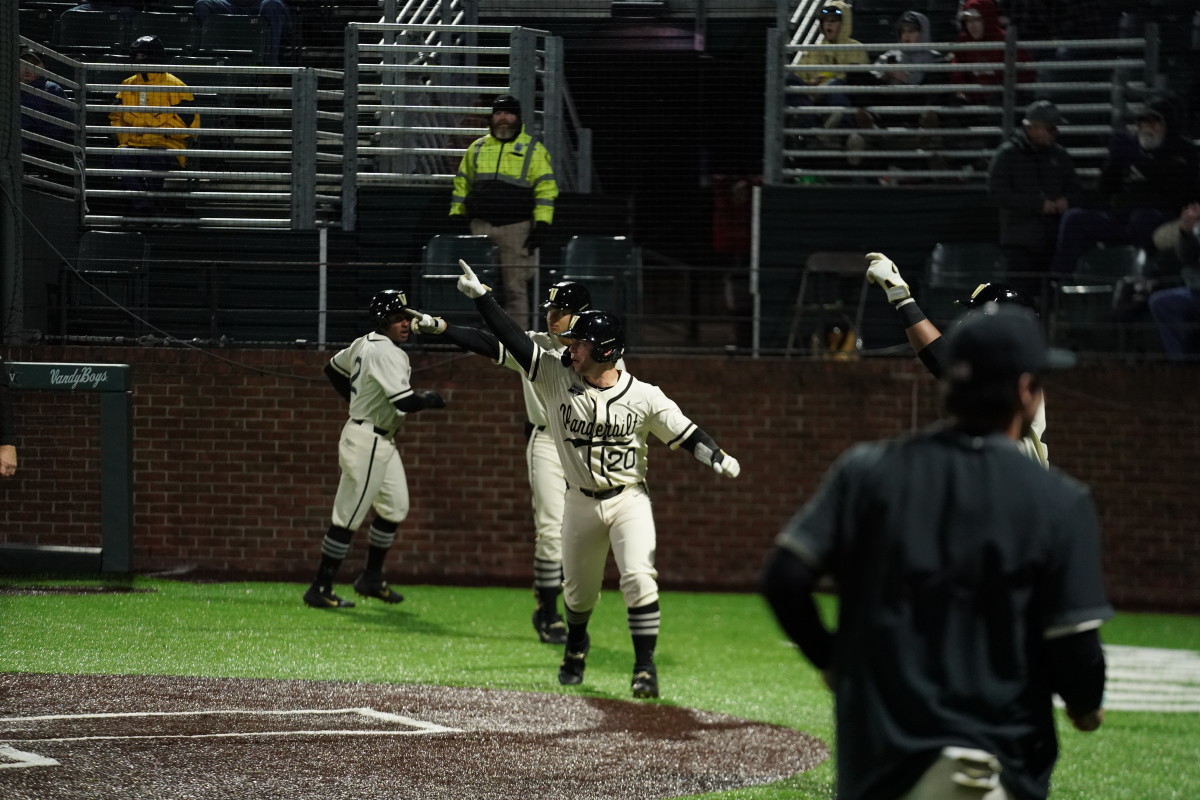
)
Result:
{"points": [[998, 342], [970, 12], [1043, 112]]}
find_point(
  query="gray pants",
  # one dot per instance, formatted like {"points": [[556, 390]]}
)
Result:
{"points": [[516, 264], [960, 773]]}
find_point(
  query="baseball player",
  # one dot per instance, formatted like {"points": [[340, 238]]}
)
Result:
{"points": [[970, 585], [8, 434], [563, 300], [374, 376], [600, 418], [929, 345]]}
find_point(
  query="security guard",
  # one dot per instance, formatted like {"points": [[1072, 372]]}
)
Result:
{"points": [[505, 186]]}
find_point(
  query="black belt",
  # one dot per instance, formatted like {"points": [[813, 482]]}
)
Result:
{"points": [[604, 494], [384, 432], [539, 427]]}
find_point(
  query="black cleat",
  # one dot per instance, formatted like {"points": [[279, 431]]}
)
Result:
{"points": [[373, 585], [324, 598], [645, 683], [550, 627], [570, 671]]}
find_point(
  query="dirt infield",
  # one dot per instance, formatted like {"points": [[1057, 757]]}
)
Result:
{"points": [[168, 738]]}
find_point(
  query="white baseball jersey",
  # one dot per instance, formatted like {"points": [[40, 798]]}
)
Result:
{"points": [[379, 374], [1031, 444], [372, 473], [601, 434]]}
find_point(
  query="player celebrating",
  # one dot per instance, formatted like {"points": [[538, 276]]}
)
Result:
{"points": [[563, 300], [600, 418], [374, 376], [929, 345]]}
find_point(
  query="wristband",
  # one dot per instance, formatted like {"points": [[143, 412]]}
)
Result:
{"points": [[910, 312]]}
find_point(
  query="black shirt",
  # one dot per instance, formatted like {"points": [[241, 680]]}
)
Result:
{"points": [[956, 558]]}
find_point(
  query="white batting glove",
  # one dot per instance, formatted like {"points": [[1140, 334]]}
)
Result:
{"points": [[428, 325], [727, 466], [883, 272], [468, 283]]}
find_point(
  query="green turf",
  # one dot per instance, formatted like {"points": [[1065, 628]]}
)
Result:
{"points": [[720, 652]]}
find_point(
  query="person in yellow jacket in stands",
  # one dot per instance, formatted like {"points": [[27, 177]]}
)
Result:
{"points": [[505, 186], [837, 25], [151, 150]]}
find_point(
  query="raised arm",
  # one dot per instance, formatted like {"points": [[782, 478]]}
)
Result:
{"points": [[922, 334], [510, 334]]}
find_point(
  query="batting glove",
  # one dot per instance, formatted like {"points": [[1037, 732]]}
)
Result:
{"points": [[468, 283], [883, 272], [429, 325], [727, 466]]}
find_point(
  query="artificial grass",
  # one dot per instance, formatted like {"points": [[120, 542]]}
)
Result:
{"points": [[720, 652]]}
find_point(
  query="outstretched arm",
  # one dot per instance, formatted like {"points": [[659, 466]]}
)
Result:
{"points": [[510, 334], [472, 340], [923, 335]]}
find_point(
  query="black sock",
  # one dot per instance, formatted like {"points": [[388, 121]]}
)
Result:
{"points": [[643, 628], [380, 536], [577, 622], [334, 547], [547, 599]]}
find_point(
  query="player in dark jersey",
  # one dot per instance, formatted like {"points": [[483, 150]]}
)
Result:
{"points": [[970, 588]]}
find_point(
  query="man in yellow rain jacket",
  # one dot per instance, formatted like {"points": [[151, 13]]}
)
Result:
{"points": [[150, 150], [505, 186]]}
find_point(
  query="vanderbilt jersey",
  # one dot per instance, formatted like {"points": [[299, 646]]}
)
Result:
{"points": [[379, 374], [535, 411], [601, 434]]}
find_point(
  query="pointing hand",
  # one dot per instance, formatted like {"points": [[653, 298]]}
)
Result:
{"points": [[468, 283]]}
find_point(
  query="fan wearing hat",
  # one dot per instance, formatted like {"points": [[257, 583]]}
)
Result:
{"points": [[1033, 182], [149, 99], [971, 587], [1151, 174], [505, 188]]}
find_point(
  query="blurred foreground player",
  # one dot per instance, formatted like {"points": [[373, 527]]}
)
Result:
{"points": [[969, 582]]}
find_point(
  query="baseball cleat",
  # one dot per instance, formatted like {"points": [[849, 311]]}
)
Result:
{"points": [[550, 627], [324, 598], [570, 671], [645, 683], [369, 585]]}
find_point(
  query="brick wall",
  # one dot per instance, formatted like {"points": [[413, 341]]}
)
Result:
{"points": [[235, 464]]}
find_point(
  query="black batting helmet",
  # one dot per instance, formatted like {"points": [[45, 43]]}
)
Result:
{"points": [[999, 293], [386, 303], [603, 330], [568, 295], [150, 46]]}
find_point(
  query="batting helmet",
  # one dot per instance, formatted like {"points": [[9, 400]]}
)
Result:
{"points": [[568, 295], [603, 330], [386, 303], [150, 46], [1000, 294]]}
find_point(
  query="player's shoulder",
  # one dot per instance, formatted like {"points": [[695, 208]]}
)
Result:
{"points": [[545, 340]]}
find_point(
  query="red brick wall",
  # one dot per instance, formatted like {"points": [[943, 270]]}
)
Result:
{"points": [[235, 463]]}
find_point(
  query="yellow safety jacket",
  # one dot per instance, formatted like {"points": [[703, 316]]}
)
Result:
{"points": [[505, 182], [152, 119]]}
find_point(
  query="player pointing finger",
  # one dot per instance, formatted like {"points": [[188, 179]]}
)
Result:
{"points": [[601, 426]]}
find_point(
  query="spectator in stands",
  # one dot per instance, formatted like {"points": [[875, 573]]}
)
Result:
{"points": [[1033, 182], [837, 25], [38, 96], [505, 187], [275, 14], [1151, 173], [151, 150], [912, 27], [1176, 311], [979, 21]]}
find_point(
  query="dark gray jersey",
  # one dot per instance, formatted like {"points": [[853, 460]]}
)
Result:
{"points": [[956, 558]]}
